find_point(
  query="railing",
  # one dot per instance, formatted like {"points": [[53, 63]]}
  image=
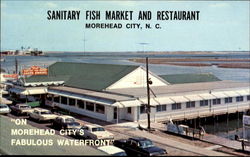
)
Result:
{"points": [[203, 111]]}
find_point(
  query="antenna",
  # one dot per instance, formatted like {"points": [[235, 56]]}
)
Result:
{"points": [[143, 45], [84, 41]]}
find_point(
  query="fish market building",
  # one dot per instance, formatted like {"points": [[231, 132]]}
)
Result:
{"points": [[117, 93]]}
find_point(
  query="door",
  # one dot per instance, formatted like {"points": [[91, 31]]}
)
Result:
{"points": [[115, 113]]}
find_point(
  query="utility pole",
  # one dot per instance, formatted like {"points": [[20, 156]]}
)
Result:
{"points": [[84, 41], [16, 65], [148, 94]]}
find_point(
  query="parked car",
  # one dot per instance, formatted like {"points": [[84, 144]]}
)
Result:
{"points": [[40, 114], [95, 132], [4, 109], [112, 150], [139, 146], [20, 109], [66, 122]]}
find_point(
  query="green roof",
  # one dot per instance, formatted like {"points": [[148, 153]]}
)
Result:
{"points": [[84, 75], [189, 78]]}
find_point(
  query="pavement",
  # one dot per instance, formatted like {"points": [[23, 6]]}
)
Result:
{"points": [[132, 131]]}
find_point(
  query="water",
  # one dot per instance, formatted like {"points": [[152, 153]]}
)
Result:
{"points": [[221, 127], [121, 58]]}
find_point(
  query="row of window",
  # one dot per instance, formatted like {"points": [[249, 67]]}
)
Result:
{"points": [[80, 103], [191, 104]]}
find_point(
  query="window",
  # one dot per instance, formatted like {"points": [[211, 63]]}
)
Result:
{"points": [[64, 100], [72, 102], [239, 98], [129, 110], [228, 100], [90, 106], [176, 106], [190, 104], [142, 109], [161, 108], [216, 101], [80, 104], [49, 97], [56, 98], [204, 103], [248, 98], [100, 108]]}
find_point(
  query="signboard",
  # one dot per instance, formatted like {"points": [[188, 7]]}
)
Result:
{"points": [[35, 70], [11, 76], [246, 120]]}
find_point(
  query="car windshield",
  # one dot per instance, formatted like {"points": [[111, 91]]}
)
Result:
{"points": [[24, 106], [98, 129], [120, 154], [69, 120], [46, 112], [146, 144], [3, 106]]}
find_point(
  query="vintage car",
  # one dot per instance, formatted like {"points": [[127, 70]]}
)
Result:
{"points": [[66, 122], [40, 114], [95, 132], [139, 146], [20, 109], [112, 150], [4, 109]]}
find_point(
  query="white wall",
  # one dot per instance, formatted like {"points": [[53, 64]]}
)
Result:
{"points": [[137, 78]]}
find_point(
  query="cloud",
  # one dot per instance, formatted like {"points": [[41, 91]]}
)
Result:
{"points": [[219, 5], [51, 5]]}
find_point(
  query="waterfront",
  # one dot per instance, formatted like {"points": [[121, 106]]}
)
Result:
{"points": [[236, 74], [226, 130]]}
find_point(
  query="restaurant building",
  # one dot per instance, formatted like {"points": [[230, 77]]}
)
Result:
{"points": [[117, 93]]}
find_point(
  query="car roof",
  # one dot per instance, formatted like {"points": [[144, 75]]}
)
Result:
{"points": [[138, 139], [65, 116], [93, 125], [110, 149], [41, 109], [22, 104]]}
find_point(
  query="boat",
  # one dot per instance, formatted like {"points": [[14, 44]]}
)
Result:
{"points": [[2, 59]]}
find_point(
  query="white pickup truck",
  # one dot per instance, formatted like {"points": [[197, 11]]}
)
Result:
{"points": [[40, 114]]}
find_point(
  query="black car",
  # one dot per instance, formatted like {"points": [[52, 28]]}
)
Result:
{"points": [[139, 146]]}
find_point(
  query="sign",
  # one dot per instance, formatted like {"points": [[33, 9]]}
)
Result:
{"points": [[35, 70], [246, 120], [11, 76]]}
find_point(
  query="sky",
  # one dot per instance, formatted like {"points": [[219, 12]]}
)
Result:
{"points": [[223, 26]]}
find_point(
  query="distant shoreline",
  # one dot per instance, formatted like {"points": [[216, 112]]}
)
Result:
{"points": [[227, 63]]}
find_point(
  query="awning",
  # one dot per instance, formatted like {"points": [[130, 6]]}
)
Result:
{"points": [[164, 100], [193, 97], [231, 94], [179, 99], [81, 97], [5, 101], [207, 96], [34, 104], [36, 91], [17, 90], [243, 92], [152, 101], [219, 94], [30, 91], [129, 103]]}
